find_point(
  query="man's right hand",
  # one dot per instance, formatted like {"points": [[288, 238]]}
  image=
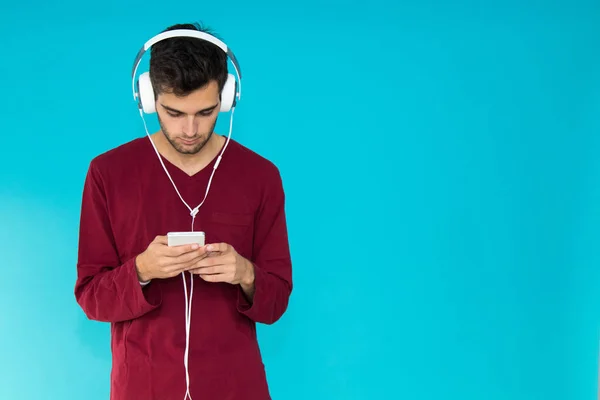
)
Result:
{"points": [[159, 261]]}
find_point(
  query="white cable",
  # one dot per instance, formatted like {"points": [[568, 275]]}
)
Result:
{"points": [[188, 320], [193, 213]]}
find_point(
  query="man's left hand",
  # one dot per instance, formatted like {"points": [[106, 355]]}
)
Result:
{"points": [[224, 264]]}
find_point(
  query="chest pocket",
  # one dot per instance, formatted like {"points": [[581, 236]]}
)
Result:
{"points": [[235, 229]]}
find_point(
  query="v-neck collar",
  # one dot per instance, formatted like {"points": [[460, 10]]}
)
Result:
{"points": [[175, 170]]}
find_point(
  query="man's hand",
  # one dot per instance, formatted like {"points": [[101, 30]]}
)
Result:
{"points": [[160, 261], [224, 264]]}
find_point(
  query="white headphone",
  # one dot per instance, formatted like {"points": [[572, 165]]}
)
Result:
{"points": [[143, 92]]}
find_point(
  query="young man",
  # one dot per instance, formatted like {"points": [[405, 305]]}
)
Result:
{"points": [[127, 274]]}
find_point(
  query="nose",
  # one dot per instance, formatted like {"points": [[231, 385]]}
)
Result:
{"points": [[190, 126]]}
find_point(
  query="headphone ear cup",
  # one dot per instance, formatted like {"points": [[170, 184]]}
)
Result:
{"points": [[147, 100], [228, 94]]}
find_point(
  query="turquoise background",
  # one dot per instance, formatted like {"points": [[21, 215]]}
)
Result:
{"points": [[441, 164]]}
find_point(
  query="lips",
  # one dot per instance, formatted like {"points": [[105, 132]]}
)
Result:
{"points": [[189, 141]]}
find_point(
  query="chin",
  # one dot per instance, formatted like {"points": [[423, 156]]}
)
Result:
{"points": [[189, 150]]}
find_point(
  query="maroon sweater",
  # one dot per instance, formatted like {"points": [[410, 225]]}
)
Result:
{"points": [[127, 201]]}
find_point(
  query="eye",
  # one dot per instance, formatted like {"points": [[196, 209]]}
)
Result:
{"points": [[206, 113], [174, 115]]}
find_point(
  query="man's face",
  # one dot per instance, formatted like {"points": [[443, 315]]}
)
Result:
{"points": [[188, 122]]}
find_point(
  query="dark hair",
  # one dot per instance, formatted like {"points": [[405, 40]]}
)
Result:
{"points": [[181, 65]]}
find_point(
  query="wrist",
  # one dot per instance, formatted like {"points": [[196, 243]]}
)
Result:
{"points": [[248, 279], [141, 273]]}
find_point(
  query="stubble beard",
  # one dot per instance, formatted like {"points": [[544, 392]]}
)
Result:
{"points": [[186, 149]]}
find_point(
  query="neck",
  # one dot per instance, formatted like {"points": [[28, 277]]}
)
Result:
{"points": [[190, 163]]}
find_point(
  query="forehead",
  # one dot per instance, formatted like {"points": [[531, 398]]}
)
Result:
{"points": [[204, 97]]}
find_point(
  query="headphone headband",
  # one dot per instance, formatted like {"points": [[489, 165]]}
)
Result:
{"points": [[192, 34]]}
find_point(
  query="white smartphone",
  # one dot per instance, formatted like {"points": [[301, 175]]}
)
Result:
{"points": [[181, 238]]}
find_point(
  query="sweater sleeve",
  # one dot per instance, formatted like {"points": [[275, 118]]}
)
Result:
{"points": [[106, 288], [271, 259]]}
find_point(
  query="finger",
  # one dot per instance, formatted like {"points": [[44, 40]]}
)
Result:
{"points": [[187, 261], [176, 251], [214, 260], [217, 247], [191, 256], [160, 240], [215, 277], [217, 269]]}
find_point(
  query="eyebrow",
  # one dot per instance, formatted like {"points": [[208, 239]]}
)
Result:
{"points": [[173, 110]]}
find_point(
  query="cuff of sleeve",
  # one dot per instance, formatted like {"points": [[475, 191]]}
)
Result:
{"points": [[251, 309]]}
